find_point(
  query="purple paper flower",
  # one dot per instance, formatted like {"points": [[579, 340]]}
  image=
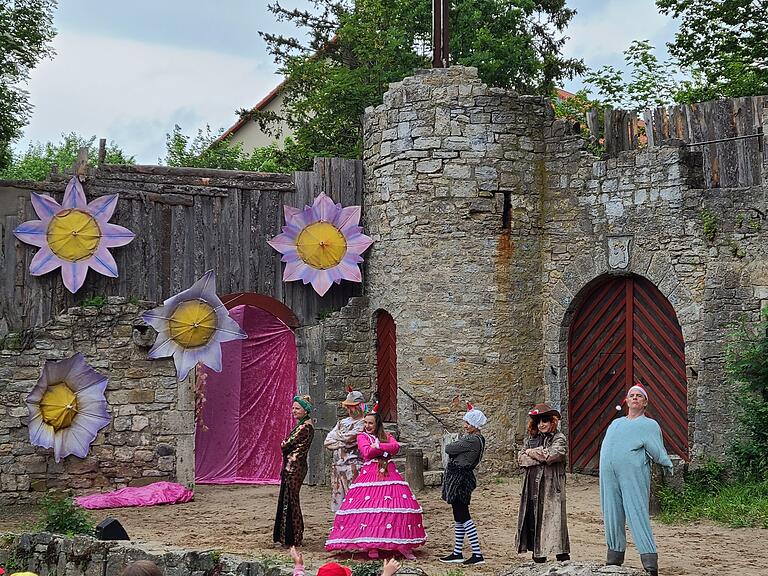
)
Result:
{"points": [[67, 407], [191, 327], [75, 235], [322, 244]]}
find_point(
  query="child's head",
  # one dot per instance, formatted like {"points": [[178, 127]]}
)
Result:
{"points": [[142, 568], [333, 569]]}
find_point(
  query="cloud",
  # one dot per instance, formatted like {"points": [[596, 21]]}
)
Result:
{"points": [[133, 92], [601, 31]]}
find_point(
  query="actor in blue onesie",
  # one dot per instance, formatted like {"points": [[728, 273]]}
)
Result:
{"points": [[629, 446]]}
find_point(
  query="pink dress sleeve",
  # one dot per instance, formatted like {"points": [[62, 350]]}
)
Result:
{"points": [[366, 448], [391, 447]]}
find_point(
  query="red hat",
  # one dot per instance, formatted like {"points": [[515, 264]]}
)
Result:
{"points": [[333, 569]]}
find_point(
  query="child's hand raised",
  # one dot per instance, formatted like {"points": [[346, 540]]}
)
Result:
{"points": [[390, 567], [298, 559]]}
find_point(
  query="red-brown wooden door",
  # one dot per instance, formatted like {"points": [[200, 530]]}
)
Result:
{"points": [[386, 366], [624, 330]]}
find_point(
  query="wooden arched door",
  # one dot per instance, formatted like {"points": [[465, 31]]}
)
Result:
{"points": [[624, 330], [386, 365]]}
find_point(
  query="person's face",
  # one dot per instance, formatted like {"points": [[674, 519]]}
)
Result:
{"points": [[545, 424], [636, 400], [370, 424], [468, 428], [353, 410], [297, 411]]}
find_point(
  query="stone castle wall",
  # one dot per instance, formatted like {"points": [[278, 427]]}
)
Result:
{"points": [[151, 435], [490, 218]]}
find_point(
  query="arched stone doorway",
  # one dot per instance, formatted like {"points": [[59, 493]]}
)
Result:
{"points": [[246, 411], [624, 329], [386, 365]]}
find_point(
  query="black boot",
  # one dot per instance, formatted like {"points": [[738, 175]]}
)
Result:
{"points": [[563, 557], [650, 563], [539, 559], [614, 558]]}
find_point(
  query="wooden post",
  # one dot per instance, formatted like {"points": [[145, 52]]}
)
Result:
{"points": [[414, 468], [102, 150], [80, 166], [440, 37]]}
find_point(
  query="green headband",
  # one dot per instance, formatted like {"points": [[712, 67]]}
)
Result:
{"points": [[303, 403]]}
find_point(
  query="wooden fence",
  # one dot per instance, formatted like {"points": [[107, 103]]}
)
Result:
{"points": [[728, 133], [186, 221]]}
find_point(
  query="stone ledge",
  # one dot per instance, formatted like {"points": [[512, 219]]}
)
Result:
{"points": [[571, 569], [47, 554]]}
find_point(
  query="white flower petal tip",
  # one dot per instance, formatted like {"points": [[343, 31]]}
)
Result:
{"points": [[67, 407], [73, 235], [191, 327], [322, 244]]}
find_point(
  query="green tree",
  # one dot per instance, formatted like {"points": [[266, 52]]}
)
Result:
{"points": [[38, 160], [209, 150], [26, 28], [651, 82], [356, 48], [723, 43]]}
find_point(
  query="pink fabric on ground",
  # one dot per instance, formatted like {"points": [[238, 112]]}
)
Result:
{"points": [[247, 408], [380, 511], [150, 495]]}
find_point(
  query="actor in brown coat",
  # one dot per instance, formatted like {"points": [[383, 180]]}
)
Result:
{"points": [[541, 523]]}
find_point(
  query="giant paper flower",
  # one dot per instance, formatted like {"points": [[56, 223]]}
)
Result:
{"points": [[67, 407], [191, 327], [322, 244], [75, 235]]}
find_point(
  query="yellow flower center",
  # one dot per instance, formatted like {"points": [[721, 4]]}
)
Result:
{"points": [[193, 323], [73, 235], [58, 406], [321, 245]]}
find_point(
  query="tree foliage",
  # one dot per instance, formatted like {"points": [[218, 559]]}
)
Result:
{"points": [[651, 82], [26, 28], [38, 160], [723, 43], [355, 49], [209, 150]]}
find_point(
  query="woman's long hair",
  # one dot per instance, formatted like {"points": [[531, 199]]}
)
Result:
{"points": [[533, 425]]}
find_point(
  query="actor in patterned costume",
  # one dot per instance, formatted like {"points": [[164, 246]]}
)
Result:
{"points": [[289, 523], [342, 441]]}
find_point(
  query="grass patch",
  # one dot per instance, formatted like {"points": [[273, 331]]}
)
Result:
{"points": [[709, 494]]}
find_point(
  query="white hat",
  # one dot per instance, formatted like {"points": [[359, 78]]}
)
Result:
{"points": [[474, 417]]}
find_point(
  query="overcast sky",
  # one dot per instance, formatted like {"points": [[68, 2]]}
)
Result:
{"points": [[128, 73]]}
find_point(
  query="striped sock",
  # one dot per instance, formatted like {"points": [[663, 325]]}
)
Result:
{"points": [[459, 531], [474, 540]]}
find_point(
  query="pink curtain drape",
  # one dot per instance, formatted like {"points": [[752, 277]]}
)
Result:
{"points": [[247, 408]]}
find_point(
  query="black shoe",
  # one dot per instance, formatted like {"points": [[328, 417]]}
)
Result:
{"points": [[474, 559], [563, 557], [539, 559], [614, 558], [453, 558]]}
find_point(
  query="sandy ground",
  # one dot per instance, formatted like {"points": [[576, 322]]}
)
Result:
{"points": [[239, 519]]}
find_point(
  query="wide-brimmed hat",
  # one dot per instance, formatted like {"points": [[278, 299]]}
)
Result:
{"points": [[543, 410], [353, 398]]}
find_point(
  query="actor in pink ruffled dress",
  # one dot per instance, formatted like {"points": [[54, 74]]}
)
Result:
{"points": [[380, 512]]}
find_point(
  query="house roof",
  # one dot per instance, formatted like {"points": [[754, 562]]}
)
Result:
{"points": [[260, 105]]}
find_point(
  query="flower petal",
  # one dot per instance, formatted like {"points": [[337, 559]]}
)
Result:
{"points": [[40, 433], [45, 206], [44, 261], [185, 360], [103, 207], [283, 242], [294, 270], [74, 196], [348, 218], [358, 243], [322, 282], [325, 209], [73, 274], [348, 270], [227, 329], [113, 235], [103, 262], [158, 317], [209, 355], [164, 346], [32, 232]]}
